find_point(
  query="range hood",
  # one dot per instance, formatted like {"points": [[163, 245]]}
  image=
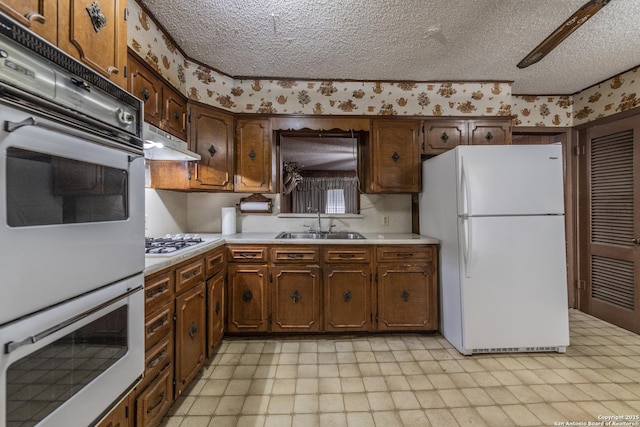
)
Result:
{"points": [[159, 145]]}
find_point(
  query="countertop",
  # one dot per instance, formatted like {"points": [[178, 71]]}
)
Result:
{"points": [[156, 263]]}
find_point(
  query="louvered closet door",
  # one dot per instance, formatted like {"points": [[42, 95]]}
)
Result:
{"points": [[613, 285]]}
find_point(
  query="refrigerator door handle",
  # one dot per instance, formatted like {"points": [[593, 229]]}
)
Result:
{"points": [[465, 189], [467, 251]]}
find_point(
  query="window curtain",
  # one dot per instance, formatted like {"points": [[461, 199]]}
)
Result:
{"points": [[312, 193]]}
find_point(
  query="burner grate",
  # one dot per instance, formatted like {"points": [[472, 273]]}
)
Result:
{"points": [[170, 244]]}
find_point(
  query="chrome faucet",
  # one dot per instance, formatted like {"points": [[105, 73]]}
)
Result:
{"points": [[310, 209]]}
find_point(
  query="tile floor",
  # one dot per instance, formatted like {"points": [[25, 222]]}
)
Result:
{"points": [[415, 380]]}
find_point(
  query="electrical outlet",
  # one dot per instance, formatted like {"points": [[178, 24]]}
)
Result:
{"points": [[385, 219]]}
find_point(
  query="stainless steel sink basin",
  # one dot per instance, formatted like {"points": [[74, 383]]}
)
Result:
{"points": [[344, 235]]}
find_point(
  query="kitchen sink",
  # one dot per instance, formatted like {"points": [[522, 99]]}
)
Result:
{"points": [[341, 235]]}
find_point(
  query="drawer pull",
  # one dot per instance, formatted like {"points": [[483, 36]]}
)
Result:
{"points": [[295, 296], [160, 289], [346, 256], [190, 274], [247, 254], [444, 137], [404, 254], [347, 296], [489, 137], [157, 325], [34, 16], [295, 256], [155, 405], [216, 260], [405, 296], [153, 362], [247, 295]]}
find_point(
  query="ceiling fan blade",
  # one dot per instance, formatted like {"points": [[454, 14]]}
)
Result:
{"points": [[563, 31]]}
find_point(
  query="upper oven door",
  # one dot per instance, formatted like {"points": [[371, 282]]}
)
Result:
{"points": [[71, 213]]}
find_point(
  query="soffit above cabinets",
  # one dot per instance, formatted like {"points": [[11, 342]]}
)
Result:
{"points": [[415, 40]]}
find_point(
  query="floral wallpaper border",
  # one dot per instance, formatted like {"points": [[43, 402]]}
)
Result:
{"points": [[309, 97]]}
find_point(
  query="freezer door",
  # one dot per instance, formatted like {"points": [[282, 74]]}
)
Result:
{"points": [[510, 180], [514, 283]]}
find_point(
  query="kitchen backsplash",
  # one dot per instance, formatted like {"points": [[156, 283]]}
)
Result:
{"points": [[374, 98], [175, 212]]}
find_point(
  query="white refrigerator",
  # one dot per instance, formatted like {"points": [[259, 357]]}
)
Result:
{"points": [[498, 212]]}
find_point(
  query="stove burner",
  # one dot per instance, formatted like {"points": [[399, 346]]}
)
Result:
{"points": [[169, 244]]}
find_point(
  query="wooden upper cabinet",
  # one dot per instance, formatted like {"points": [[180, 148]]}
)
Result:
{"points": [[255, 162], [174, 109], [40, 16], [440, 136], [489, 132], [394, 156], [211, 136], [144, 85], [95, 33]]}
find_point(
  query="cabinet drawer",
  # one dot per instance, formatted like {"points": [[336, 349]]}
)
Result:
{"points": [[347, 254], [189, 275], [405, 253], [158, 291], [213, 262], [156, 359], [247, 253], [303, 254], [157, 326], [155, 401]]}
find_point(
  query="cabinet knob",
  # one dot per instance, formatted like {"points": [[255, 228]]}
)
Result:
{"points": [[347, 296], [212, 150], [444, 137], [489, 137], [252, 155], [145, 94], [295, 296], [247, 296], [395, 156], [636, 240], [193, 329], [405, 296], [176, 116], [217, 309]]}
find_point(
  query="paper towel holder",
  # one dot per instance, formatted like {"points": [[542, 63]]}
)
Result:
{"points": [[255, 203]]}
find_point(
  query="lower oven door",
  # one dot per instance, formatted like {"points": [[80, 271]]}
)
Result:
{"points": [[71, 213], [66, 366]]}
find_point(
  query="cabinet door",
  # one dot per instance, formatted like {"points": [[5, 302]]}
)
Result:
{"points": [[143, 84], [155, 400], [254, 156], [406, 297], [247, 298], [95, 33], [443, 135], [489, 132], [190, 335], [37, 15], [347, 297], [211, 136], [174, 113], [395, 157], [296, 299], [215, 310]]}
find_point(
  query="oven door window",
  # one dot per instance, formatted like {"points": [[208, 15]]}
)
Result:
{"points": [[49, 190], [44, 380]]}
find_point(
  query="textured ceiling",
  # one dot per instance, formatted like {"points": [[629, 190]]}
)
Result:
{"points": [[414, 40]]}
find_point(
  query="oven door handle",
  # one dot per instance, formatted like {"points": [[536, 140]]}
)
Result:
{"points": [[31, 121], [13, 345]]}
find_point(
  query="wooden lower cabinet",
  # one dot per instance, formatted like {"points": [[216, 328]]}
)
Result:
{"points": [[247, 297], [154, 402], [296, 298], [407, 282], [347, 297], [216, 311], [190, 335]]}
